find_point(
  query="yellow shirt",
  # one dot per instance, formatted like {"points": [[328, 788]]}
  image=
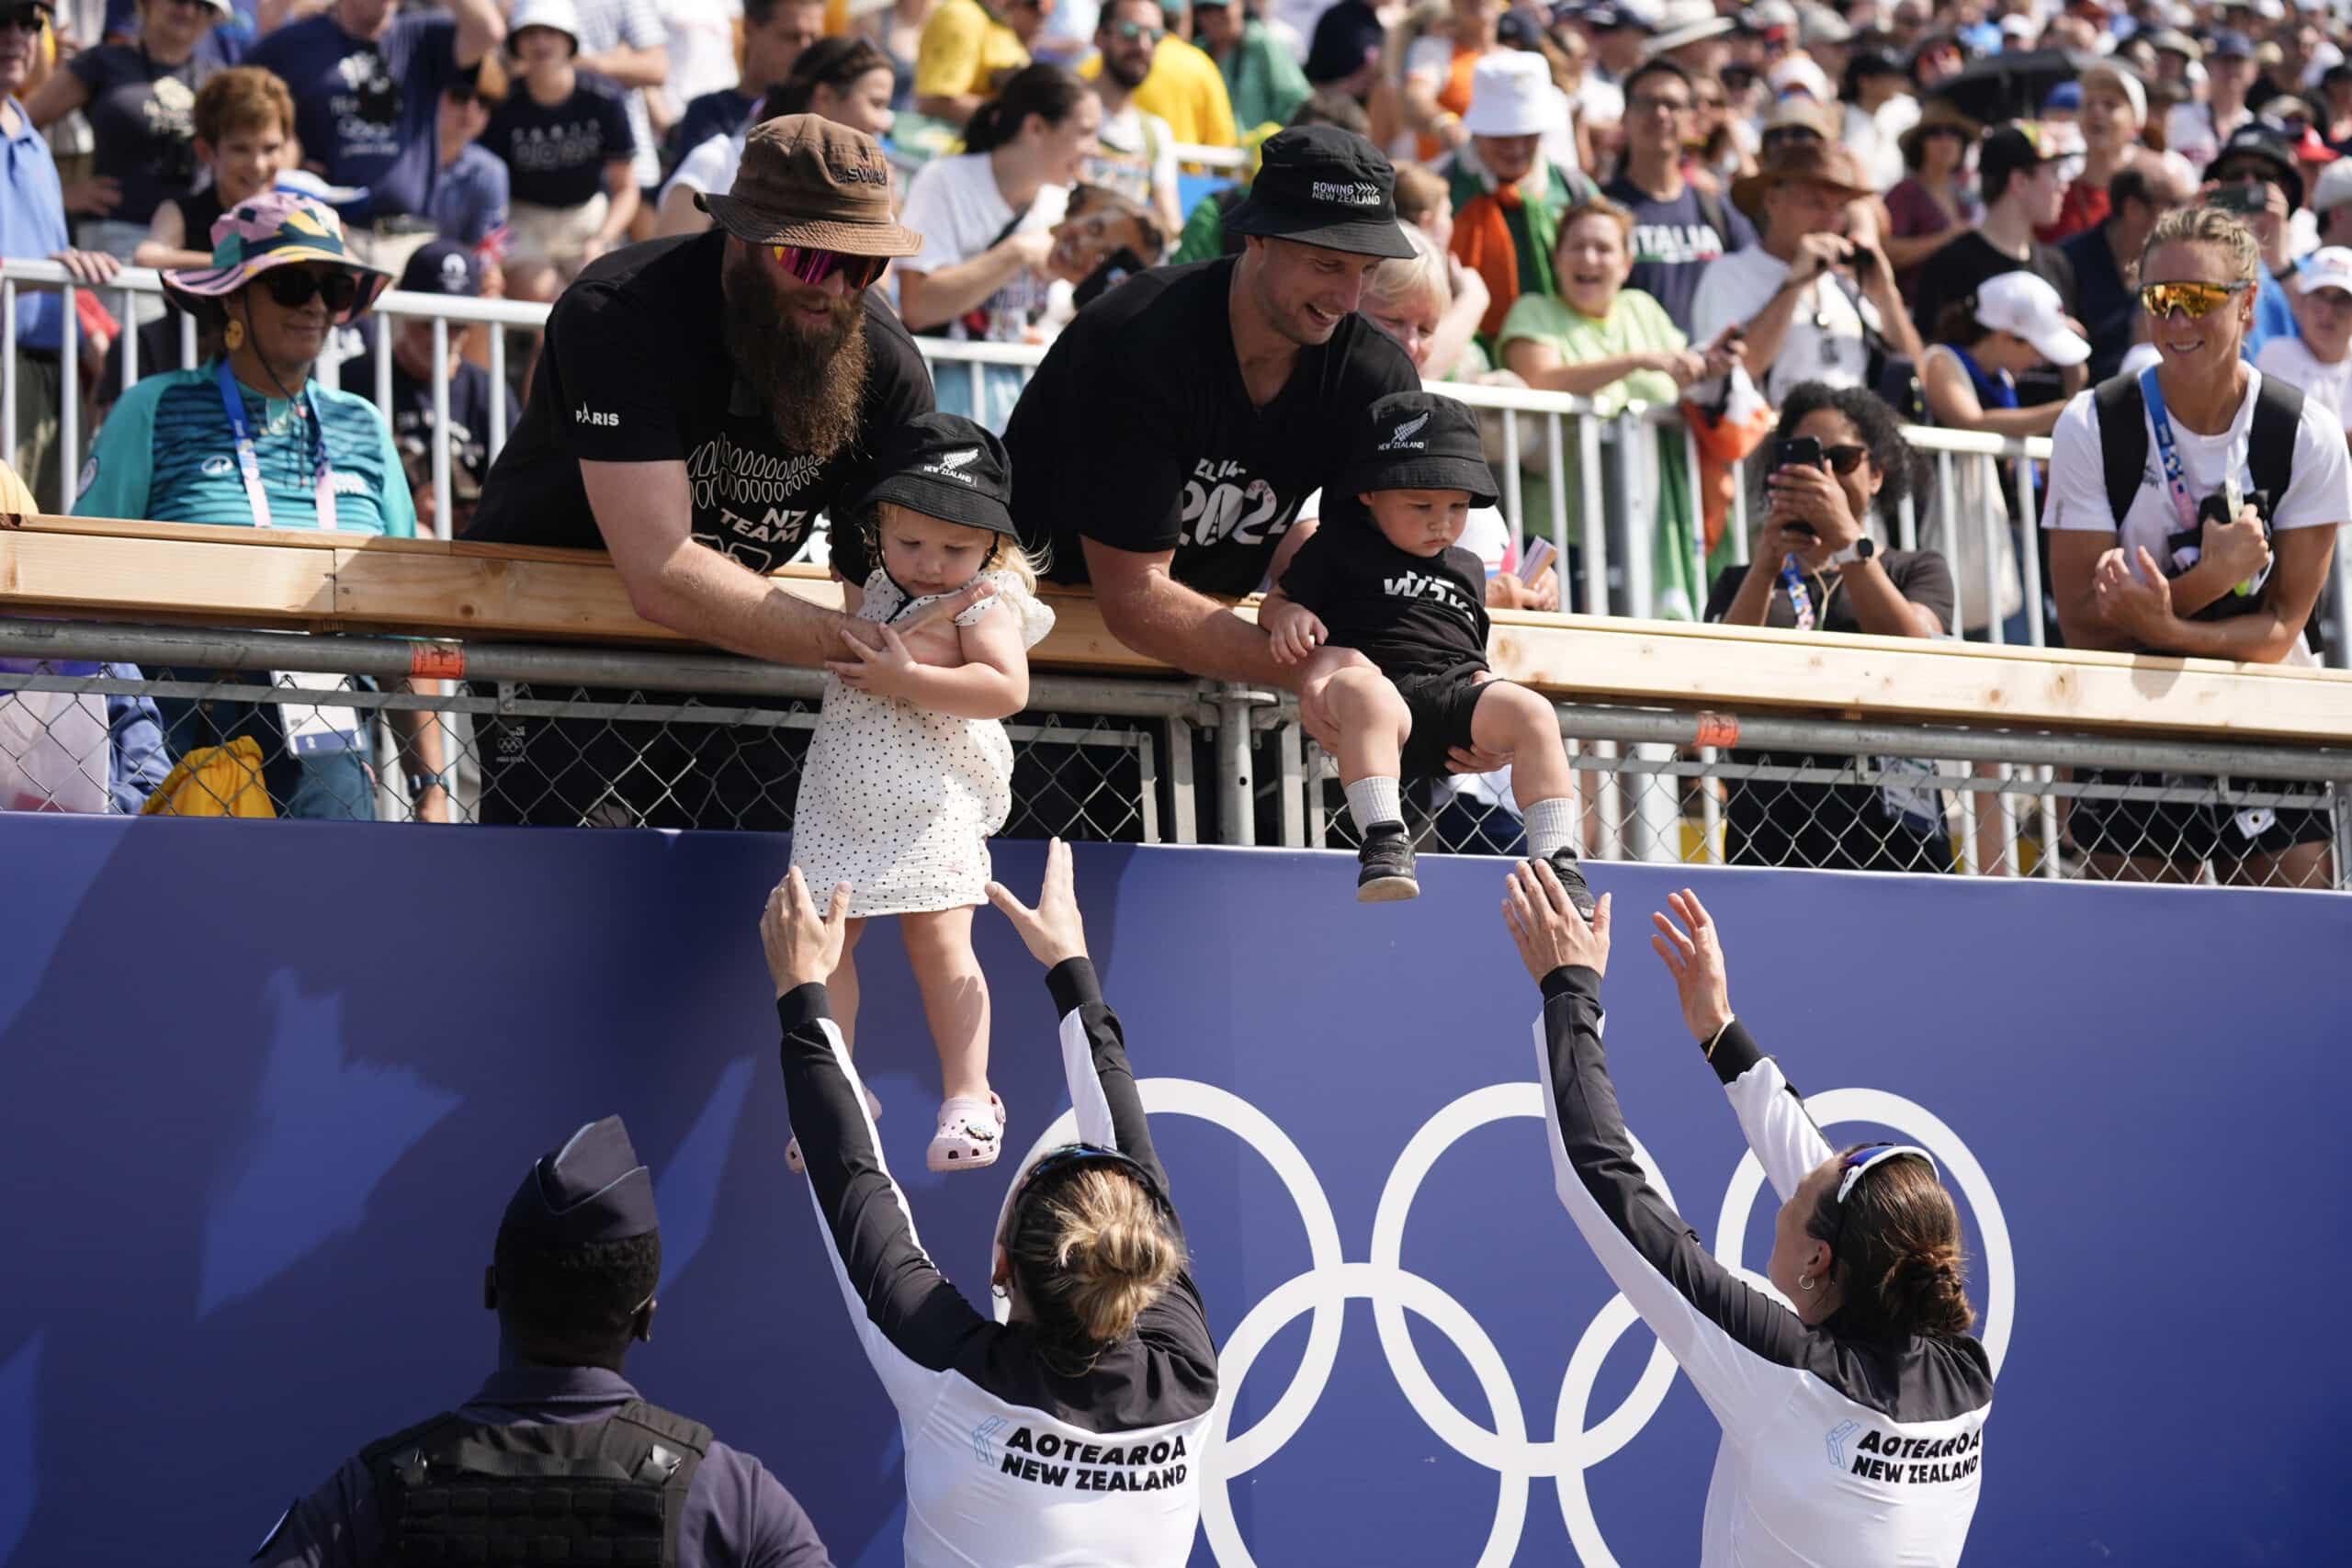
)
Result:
{"points": [[1184, 89], [964, 51]]}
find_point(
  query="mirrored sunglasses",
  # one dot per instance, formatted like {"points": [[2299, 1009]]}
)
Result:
{"points": [[811, 265], [1869, 1155], [292, 288], [1136, 31], [2194, 300]]}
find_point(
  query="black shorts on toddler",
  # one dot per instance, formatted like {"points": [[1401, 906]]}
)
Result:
{"points": [[1420, 615]]}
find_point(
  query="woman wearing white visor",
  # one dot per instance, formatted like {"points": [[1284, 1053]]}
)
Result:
{"points": [[1069, 1434], [1872, 1370]]}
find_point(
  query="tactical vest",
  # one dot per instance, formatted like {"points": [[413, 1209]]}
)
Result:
{"points": [[606, 1491]]}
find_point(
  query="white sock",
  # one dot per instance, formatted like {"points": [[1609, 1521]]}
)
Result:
{"points": [[1551, 825], [1374, 803]]}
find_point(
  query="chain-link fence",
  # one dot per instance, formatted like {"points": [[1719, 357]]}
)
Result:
{"points": [[225, 724]]}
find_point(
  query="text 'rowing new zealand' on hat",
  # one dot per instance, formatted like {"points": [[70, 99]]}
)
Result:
{"points": [[1321, 185]]}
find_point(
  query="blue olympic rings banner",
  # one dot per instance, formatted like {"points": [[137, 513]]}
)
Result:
{"points": [[264, 1091]]}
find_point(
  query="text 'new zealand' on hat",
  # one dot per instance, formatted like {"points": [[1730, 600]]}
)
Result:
{"points": [[1421, 441], [945, 465], [807, 181], [1321, 185]]}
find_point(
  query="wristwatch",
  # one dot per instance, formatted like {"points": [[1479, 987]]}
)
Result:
{"points": [[446, 781], [1861, 549]]}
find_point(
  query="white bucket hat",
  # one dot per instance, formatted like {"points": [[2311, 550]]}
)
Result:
{"points": [[1688, 21], [2027, 305], [556, 15], [1511, 94]]}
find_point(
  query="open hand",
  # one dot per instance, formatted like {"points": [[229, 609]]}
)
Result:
{"points": [[803, 947], [1546, 926], [887, 669], [1696, 962], [1053, 932], [88, 267]]}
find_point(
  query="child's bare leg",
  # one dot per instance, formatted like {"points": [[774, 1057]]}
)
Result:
{"points": [[843, 987], [1373, 724], [1511, 718], [955, 997]]}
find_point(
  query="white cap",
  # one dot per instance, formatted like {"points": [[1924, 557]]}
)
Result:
{"points": [[2026, 304], [1820, 25], [1798, 73], [2330, 266], [2018, 25], [555, 15], [1686, 21], [1510, 95], [2125, 81], [2334, 188]]}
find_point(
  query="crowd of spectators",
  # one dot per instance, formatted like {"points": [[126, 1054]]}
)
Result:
{"points": [[1940, 204]]}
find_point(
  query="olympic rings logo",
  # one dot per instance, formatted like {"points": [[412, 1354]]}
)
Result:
{"points": [[1504, 1445]]}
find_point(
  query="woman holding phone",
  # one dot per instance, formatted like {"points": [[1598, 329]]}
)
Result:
{"points": [[1858, 1356], [1838, 461], [1071, 1431]]}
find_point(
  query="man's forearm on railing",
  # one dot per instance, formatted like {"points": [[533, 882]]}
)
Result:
{"points": [[1160, 619]]}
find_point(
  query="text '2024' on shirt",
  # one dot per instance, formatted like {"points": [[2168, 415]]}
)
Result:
{"points": [[556, 153], [635, 370], [1141, 417]]}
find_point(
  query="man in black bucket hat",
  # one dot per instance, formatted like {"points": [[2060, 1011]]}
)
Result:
{"points": [[700, 403], [1186, 414]]}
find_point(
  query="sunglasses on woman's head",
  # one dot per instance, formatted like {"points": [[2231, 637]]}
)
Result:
{"points": [[812, 266], [2194, 300], [293, 287]]}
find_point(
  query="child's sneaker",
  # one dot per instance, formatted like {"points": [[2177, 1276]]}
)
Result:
{"points": [[971, 1133], [1570, 871], [1384, 866], [792, 1150]]}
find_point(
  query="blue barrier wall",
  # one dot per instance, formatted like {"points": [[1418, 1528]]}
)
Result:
{"points": [[263, 1093]]}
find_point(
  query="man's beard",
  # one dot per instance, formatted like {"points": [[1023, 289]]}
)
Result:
{"points": [[811, 377], [1124, 73]]}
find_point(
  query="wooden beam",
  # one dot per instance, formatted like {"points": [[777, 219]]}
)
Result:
{"points": [[97, 569]]}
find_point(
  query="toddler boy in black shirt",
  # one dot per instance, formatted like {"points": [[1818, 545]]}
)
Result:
{"points": [[1398, 589]]}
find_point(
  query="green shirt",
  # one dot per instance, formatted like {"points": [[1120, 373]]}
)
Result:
{"points": [[1263, 78], [1635, 324]]}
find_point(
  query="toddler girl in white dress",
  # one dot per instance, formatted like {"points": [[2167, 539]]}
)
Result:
{"points": [[909, 770]]}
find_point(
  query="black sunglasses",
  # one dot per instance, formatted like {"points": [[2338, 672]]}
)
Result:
{"points": [[25, 18], [293, 287], [1844, 460]]}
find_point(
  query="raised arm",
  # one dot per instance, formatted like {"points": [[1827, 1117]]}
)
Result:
{"points": [[1094, 1048], [912, 1323], [1778, 1128], [1740, 1347]]}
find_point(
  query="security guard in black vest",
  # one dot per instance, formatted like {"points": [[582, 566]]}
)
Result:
{"points": [[556, 1460]]}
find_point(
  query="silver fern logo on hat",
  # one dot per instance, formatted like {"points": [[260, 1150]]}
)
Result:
{"points": [[1401, 438]]}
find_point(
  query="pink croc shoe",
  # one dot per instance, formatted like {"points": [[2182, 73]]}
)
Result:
{"points": [[792, 1150], [971, 1133]]}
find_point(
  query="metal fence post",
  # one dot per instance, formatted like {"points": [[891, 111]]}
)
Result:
{"points": [[1595, 522], [2029, 552], [1237, 790], [1183, 814]]}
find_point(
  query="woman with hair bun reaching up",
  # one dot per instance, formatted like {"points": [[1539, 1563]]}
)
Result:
{"points": [[1853, 1422], [1069, 1434]]}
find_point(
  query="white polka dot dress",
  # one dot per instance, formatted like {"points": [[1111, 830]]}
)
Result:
{"points": [[899, 800]]}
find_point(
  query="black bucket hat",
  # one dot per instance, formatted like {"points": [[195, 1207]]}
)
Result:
{"points": [[1321, 185], [1421, 440], [945, 465]]}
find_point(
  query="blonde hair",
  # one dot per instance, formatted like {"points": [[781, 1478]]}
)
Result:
{"points": [[1402, 278], [2203, 226], [1007, 554], [1092, 1253]]}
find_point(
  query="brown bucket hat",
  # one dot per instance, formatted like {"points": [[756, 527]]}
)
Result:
{"points": [[1810, 162], [807, 181]]}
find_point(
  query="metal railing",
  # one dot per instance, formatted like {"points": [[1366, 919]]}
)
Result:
{"points": [[1138, 760]]}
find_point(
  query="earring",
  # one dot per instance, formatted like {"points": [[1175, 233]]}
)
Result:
{"points": [[233, 335], [1804, 1282]]}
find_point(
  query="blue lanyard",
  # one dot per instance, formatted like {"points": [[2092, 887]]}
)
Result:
{"points": [[232, 403], [1798, 600], [2168, 454]]}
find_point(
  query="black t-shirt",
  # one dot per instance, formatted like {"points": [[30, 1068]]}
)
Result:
{"points": [[199, 209], [1921, 576], [1138, 432], [2107, 304], [142, 124], [1956, 271], [635, 370], [412, 411], [1410, 614], [556, 154]]}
